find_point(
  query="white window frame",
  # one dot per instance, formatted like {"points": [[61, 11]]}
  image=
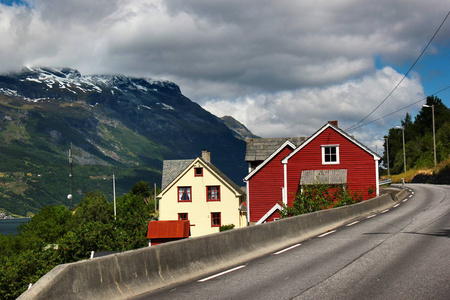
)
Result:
{"points": [[323, 155]]}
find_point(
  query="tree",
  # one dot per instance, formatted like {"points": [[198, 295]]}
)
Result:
{"points": [[424, 119], [419, 138], [133, 215], [141, 188], [443, 142], [93, 208], [26, 257], [49, 224]]}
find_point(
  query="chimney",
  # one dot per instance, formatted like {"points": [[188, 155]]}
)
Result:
{"points": [[206, 155], [334, 123]]}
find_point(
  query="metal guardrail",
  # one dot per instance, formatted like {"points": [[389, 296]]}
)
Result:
{"points": [[387, 181]]}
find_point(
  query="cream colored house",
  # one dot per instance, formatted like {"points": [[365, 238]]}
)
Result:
{"points": [[197, 191]]}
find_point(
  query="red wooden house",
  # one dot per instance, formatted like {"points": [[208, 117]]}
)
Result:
{"points": [[330, 156]]}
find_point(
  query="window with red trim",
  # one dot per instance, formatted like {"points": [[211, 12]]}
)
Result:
{"points": [[184, 194], [182, 216], [198, 172], [215, 219], [213, 193]]}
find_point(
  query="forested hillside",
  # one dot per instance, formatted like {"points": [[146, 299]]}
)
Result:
{"points": [[112, 123], [419, 138]]}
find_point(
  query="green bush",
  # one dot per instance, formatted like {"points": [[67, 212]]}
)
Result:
{"points": [[226, 227], [317, 196]]}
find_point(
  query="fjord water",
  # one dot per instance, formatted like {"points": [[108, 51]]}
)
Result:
{"points": [[10, 226]]}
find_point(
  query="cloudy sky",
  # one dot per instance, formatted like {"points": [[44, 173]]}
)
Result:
{"points": [[283, 68]]}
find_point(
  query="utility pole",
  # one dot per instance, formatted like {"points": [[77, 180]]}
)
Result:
{"points": [[114, 195], [387, 151], [434, 136], [404, 149], [434, 132], [70, 196], [156, 203]]}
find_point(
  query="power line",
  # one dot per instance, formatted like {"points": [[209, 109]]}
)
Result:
{"points": [[373, 121], [398, 84]]}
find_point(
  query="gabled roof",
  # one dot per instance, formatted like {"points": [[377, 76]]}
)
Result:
{"points": [[340, 131], [168, 229], [173, 170], [287, 143], [260, 149], [276, 207]]}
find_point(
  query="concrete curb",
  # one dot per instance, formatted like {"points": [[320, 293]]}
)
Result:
{"points": [[134, 272]]}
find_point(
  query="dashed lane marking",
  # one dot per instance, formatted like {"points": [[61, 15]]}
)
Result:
{"points": [[287, 249], [369, 217], [220, 274], [353, 223], [327, 233]]}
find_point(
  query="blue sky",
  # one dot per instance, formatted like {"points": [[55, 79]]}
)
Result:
{"points": [[14, 2], [433, 69], [282, 68]]}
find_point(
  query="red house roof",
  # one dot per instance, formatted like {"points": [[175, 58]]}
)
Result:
{"points": [[168, 229]]}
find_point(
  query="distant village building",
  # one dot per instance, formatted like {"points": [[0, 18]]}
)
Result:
{"points": [[196, 190], [278, 168]]}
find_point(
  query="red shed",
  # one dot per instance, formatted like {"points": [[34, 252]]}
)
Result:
{"points": [[330, 155], [160, 232]]}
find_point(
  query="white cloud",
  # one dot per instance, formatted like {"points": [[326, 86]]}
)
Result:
{"points": [[303, 111], [277, 66]]}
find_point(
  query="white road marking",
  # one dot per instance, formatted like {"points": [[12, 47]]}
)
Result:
{"points": [[371, 216], [410, 196], [327, 233], [356, 222], [405, 200], [396, 204], [287, 249], [220, 274], [385, 211]]}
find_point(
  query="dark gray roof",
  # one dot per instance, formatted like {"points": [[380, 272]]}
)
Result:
{"points": [[260, 149], [171, 170]]}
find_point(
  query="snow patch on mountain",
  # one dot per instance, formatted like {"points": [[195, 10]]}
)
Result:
{"points": [[71, 80]]}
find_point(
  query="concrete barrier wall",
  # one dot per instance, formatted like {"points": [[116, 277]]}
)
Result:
{"points": [[401, 195], [134, 272]]}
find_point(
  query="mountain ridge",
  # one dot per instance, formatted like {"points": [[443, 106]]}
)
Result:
{"points": [[239, 130], [113, 123]]}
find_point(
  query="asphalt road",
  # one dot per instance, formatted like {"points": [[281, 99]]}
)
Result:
{"points": [[401, 253]]}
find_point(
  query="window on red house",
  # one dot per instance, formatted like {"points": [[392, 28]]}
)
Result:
{"points": [[215, 219], [198, 172], [213, 193], [330, 154], [184, 194], [182, 216]]}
